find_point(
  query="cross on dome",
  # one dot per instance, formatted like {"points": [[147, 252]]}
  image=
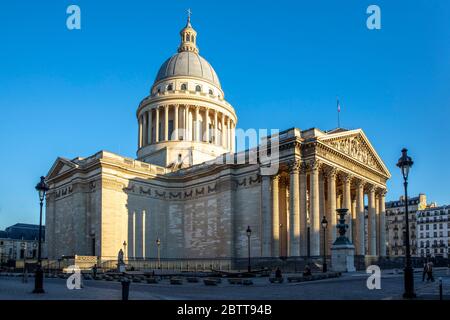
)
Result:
{"points": [[188, 36]]}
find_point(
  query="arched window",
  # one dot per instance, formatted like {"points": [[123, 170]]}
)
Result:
{"points": [[188, 37], [211, 92], [193, 39], [198, 88], [159, 90], [184, 86], [170, 87]]}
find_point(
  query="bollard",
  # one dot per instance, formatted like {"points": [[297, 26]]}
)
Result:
{"points": [[125, 288], [440, 288]]}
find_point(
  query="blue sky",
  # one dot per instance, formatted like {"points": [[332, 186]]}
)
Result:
{"points": [[281, 64]]}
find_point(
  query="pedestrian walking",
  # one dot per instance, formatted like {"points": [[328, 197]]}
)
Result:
{"points": [[424, 271], [430, 272]]}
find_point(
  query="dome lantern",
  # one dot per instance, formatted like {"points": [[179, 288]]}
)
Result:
{"points": [[188, 37]]}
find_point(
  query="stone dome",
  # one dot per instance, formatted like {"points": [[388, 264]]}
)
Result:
{"points": [[188, 64]]}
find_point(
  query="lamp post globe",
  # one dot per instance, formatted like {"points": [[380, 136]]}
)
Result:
{"points": [[249, 233], [405, 163], [42, 189], [324, 223]]}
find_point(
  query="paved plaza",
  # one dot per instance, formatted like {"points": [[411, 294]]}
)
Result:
{"points": [[349, 286]]}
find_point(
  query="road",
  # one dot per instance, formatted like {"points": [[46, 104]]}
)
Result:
{"points": [[349, 286]]}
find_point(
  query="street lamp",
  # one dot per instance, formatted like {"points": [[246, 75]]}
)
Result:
{"points": [[42, 189], [324, 227], [158, 244], [405, 163], [308, 238], [249, 233]]}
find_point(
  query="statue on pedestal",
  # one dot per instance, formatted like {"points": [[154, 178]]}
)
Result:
{"points": [[120, 261]]}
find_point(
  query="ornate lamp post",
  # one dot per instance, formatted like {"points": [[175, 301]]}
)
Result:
{"points": [[158, 244], [324, 227], [42, 188], [249, 233], [308, 238], [405, 163]]}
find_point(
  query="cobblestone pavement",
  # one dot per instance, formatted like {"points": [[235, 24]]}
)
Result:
{"points": [[349, 286]]}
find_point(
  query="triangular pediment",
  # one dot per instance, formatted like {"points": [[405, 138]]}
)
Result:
{"points": [[60, 166], [355, 144]]}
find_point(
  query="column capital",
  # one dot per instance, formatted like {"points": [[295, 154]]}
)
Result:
{"points": [[371, 188], [381, 192], [294, 166], [315, 165], [346, 177], [330, 172], [276, 177]]}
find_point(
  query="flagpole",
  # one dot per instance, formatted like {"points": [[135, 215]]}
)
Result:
{"points": [[338, 112]]}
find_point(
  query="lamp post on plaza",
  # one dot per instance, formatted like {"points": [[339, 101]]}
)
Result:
{"points": [[405, 163], [158, 244], [42, 189], [249, 233], [324, 227], [308, 237]]}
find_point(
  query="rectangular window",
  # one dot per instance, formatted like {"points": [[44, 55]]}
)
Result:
{"points": [[170, 129]]}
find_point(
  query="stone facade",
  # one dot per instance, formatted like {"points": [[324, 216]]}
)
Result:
{"points": [[180, 190]]}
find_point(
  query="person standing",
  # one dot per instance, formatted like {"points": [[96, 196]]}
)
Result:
{"points": [[278, 273]]}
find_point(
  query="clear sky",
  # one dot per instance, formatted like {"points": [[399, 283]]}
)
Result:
{"points": [[281, 63]]}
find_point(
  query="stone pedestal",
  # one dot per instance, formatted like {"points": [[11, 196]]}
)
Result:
{"points": [[343, 258], [342, 251]]}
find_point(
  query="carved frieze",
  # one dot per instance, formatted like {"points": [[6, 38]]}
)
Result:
{"points": [[356, 148]]}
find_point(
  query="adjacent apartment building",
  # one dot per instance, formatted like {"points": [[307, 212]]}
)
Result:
{"points": [[20, 241], [433, 231], [395, 224]]}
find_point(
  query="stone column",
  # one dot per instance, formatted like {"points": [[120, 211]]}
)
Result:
{"points": [[266, 216], [150, 124], [347, 204], [207, 125], [216, 128], [223, 130], [143, 234], [331, 184], [322, 210], [186, 123], [175, 123], [382, 215], [294, 212], [275, 217], [197, 123], [166, 123], [144, 129], [233, 137], [140, 132], [157, 124], [360, 220], [372, 228], [314, 209], [227, 133], [303, 211]]}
